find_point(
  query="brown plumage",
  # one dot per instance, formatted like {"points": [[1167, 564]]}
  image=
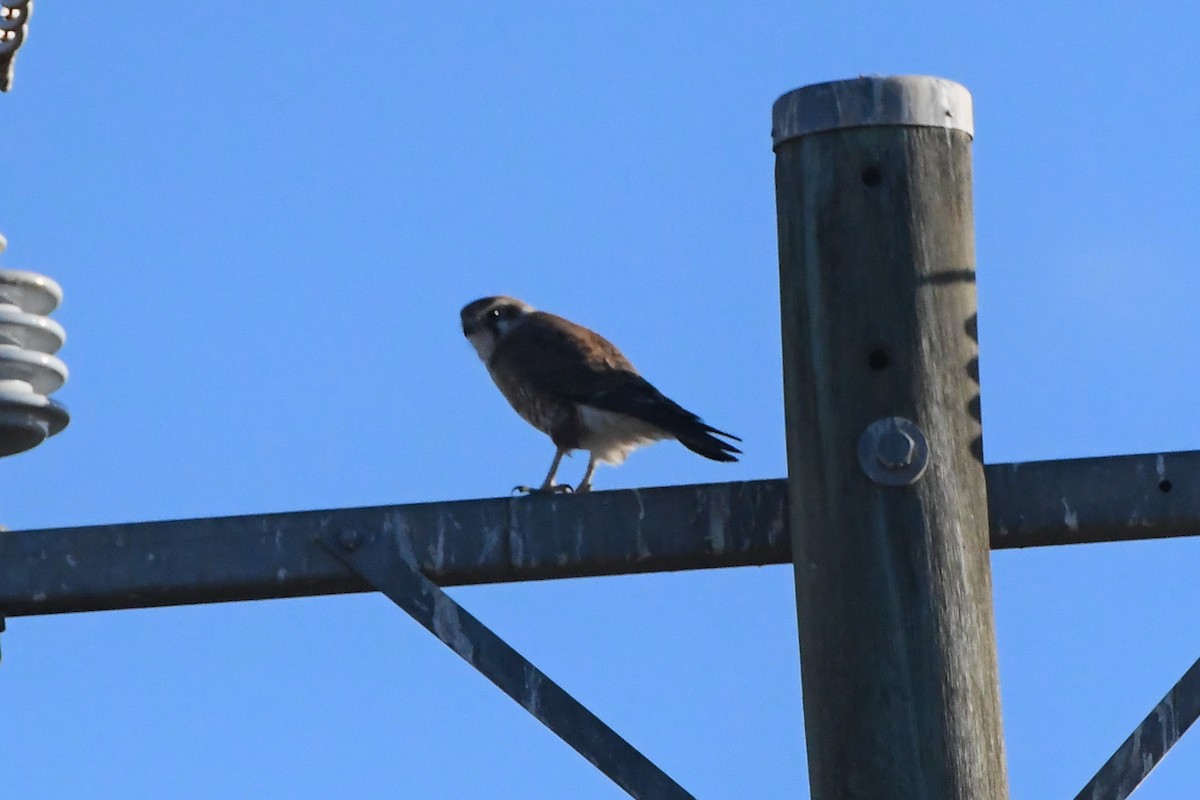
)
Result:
{"points": [[577, 387]]}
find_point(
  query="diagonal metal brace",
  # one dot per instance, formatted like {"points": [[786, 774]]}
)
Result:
{"points": [[386, 561], [1148, 744]]}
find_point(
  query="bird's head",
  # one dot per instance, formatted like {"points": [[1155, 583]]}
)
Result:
{"points": [[485, 321]]}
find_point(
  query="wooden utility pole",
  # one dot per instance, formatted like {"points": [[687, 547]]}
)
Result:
{"points": [[886, 483]]}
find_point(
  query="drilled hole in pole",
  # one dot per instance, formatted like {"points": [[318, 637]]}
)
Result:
{"points": [[871, 176], [1164, 486], [878, 359]]}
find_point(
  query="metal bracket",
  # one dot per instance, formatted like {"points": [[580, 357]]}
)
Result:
{"points": [[386, 561], [893, 451], [1148, 744]]}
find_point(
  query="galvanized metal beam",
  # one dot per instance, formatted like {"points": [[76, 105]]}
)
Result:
{"points": [[1149, 742], [701, 526], [1110, 499], [464, 542], [386, 560]]}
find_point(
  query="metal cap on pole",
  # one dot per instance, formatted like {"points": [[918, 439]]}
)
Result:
{"points": [[885, 473], [917, 100]]}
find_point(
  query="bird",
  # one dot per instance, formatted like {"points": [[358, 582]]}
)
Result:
{"points": [[575, 386]]}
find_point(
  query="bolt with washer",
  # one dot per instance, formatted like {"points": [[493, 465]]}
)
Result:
{"points": [[349, 539], [895, 449]]}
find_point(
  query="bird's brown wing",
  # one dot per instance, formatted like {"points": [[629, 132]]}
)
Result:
{"points": [[556, 357]]}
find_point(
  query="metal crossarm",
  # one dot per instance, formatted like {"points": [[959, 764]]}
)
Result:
{"points": [[1085, 500], [140, 565], [264, 556], [702, 526], [386, 561], [1149, 743]]}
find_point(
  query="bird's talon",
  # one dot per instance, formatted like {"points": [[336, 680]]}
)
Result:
{"points": [[556, 489]]}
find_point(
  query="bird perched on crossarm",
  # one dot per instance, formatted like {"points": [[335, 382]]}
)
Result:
{"points": [[575, 386]]}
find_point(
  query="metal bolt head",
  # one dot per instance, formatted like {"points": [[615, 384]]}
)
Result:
{"points": [[895, 449], [349, 539]]}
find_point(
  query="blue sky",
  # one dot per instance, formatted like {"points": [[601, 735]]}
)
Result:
{"points": [[266, 219]]}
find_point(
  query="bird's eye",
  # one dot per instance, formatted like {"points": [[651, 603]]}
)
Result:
{"points": [[495, 312]]}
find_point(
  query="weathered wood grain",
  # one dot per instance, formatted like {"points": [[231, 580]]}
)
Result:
{"points": [[893, 584]]}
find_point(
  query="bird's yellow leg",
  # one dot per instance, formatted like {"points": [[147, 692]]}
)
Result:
{"points": [[548, 485], [585, 485]]}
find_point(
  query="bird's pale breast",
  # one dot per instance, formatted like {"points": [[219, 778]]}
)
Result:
{"points": [[558, 419]]}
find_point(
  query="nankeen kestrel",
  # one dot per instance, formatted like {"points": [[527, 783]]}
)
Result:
{"points": [[575, 386]]}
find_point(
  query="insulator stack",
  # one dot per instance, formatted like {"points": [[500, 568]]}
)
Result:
{"points": [[29, 370]]}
